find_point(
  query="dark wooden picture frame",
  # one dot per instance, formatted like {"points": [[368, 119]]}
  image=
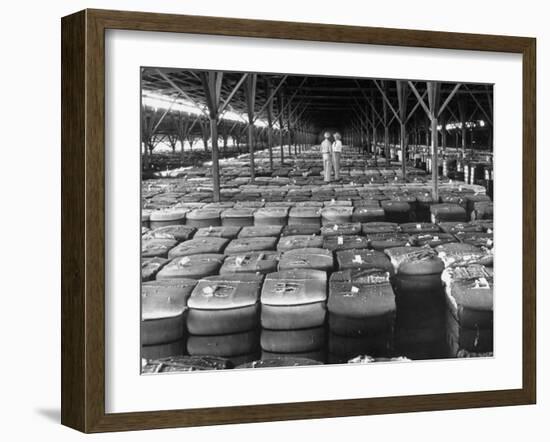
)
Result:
{"points": [[83, 220]]}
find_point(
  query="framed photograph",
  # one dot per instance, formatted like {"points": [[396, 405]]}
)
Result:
{"points": [[267, 221]]}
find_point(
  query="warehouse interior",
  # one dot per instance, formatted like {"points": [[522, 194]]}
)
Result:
{"points": [[252, 258]]}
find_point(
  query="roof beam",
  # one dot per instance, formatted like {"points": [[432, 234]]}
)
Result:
{"points": [[386, 100], [489, 119], [232, 93], [164, 115], [182, 92], [419, 98], [449, 98], [271, 96]]}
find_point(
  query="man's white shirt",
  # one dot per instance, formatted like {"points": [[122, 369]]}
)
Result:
{"points": [[325, 146]]}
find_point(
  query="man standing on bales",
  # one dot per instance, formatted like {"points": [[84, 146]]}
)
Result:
{"points": [[336, 153], [326, 151]]}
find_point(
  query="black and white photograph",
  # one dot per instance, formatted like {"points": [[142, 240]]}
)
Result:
{"points": [[292, 220]]}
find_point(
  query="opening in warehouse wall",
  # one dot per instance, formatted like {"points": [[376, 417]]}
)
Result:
{"points": [[304, 220]]}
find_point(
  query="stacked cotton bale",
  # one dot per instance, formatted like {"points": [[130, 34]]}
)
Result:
{"points": [[163, 316], [293, 313], [223, 317], [469, 291], [362, 312]]}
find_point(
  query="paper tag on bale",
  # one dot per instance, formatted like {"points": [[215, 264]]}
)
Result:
{"points": [[183, 261], [358, 259], [482, 283], [340, 240]]}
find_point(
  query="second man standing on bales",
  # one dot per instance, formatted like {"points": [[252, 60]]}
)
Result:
{"points": [[336, 153], [326, 151]]}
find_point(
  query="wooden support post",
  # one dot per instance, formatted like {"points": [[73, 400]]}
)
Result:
{"points": [[251, 151], [374, 114], [181, 137], [288, 144], [435, 162], [368, 122], [402, 139], [225, 139], [281, 142], [145, 139], [172, 141], [205, 133], [212, 84], [215, 158], [250, 95], [402, 98], [428, 133], [444, 135], [237, 140], [269, 124], [433, 88], [489, 92], [462, 115], [146, 162], [182, 128], [386, 127], [374, 141], [444, 146], [281, 100], [270, 145], [295, 139], [289, 135]]}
